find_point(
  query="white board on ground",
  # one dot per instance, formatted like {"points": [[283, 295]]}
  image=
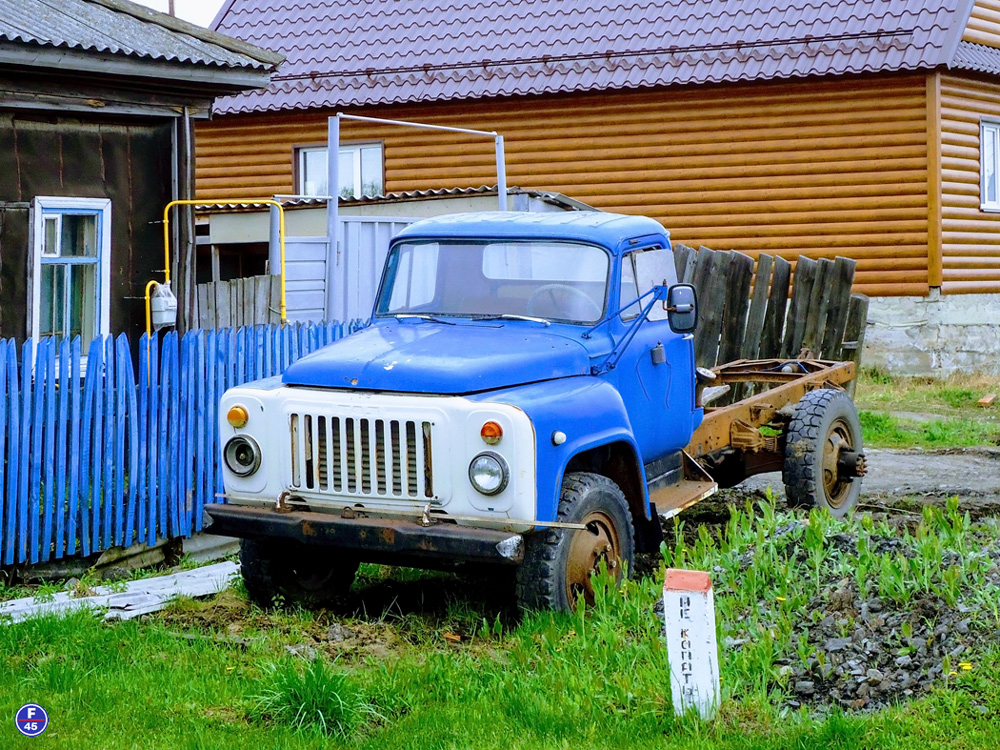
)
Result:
{"points": [[133, 599], [692, 647]]}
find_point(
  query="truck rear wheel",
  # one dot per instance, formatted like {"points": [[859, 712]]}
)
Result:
{"points": [[279, 572], [559, 563], [824, 458]]}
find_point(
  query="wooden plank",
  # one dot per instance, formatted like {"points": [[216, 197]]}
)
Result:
{"points": [[987, 400], [59, 488], [37, 429], [86, 439], [142, 423], [49, 506], [734, 316], [234, 303], [204, 383], [267, 367], [6, 530], [18, 450], [684, 260], [777, 303], [154, 512], [262, 290], [95, 367], [206, 306], [108, 452], [128, 378], [854, 334], [795, 325], [819, 301], [118, 469], [222, 312], [709, 281], [180, 482], [74, 447], [274, 300], [239, 317], [758, 306], [170, 415], [840, 281], [225, 378]]}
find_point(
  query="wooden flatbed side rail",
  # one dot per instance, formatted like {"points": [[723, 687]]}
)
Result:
{"points": [[791, 378]]}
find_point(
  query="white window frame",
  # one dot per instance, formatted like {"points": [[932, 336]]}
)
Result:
{"points": [[989, 133], [49, 205], [352, 149]]}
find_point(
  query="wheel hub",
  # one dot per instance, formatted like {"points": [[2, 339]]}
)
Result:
{"points": [[598, 544], [841, 463]]}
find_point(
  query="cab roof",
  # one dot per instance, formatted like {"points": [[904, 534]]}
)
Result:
{"points": [[597, 227]]}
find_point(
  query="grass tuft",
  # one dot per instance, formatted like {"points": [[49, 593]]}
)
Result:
{"points": [[316, 697]]}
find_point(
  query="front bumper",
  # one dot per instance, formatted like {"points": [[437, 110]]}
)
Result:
{"points": [[375, 539]]}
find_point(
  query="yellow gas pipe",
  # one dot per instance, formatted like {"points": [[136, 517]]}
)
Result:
{"points": [[166, 247]]}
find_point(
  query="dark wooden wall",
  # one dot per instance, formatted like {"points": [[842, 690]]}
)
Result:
{"points": [[125, 159]]}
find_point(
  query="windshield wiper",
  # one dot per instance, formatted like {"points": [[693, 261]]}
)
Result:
{"points": [[401, 316], [512, 316]]}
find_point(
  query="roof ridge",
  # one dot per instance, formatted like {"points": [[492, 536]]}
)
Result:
{"points": [[198, 32]]}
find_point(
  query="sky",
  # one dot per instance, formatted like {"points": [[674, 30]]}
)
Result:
{"points": [[200, 12]]}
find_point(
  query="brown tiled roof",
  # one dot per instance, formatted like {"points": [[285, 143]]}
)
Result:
{"points": [[351, 53]]}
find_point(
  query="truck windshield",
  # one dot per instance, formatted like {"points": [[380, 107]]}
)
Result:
{"points": [[564, 282]]}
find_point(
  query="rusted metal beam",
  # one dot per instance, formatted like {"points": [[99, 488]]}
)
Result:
{"points": [[369, 537], [716, 430]]}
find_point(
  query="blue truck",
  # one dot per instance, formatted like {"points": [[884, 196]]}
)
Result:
{"points": [[525, 394]]}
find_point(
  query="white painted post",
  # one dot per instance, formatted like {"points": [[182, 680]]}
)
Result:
{"points": [[692, 648]]}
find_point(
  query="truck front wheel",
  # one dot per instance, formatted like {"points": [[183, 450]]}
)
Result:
{"points": [[279, 572], [559, 564], [824, 458]]}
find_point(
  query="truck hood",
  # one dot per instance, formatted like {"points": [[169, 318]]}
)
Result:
{"points": [[429, 357]]}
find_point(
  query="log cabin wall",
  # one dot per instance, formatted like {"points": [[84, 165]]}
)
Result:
{"points": [[984, 23], [817, 168], [970, 236]]}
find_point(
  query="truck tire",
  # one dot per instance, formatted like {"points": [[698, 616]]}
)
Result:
{"points": [[280, 572], [558, 563], [824, 458]]}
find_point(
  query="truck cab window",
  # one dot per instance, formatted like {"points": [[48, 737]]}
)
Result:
{"points": [[560, 281], [414, 273], [629, 290]]}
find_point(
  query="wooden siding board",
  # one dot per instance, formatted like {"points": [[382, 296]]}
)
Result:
{"points": [[818, 169], [970, 237], [984, 24]]}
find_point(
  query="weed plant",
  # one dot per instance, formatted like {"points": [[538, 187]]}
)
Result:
{"points": [[314, 697]]}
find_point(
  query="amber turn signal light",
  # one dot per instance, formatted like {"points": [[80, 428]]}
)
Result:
{"points": [[237, 416], [491, 433]]}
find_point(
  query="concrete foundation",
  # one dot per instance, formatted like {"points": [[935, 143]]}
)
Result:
{"points": [[935, 335]]}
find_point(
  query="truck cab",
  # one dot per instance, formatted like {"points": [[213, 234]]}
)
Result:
{"points": [[521, 395]]}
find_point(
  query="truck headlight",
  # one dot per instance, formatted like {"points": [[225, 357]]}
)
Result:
{"points": [[242, 456], [488, 473]]}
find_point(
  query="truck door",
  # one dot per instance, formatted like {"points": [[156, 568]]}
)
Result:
{"points": [[656, 372]]}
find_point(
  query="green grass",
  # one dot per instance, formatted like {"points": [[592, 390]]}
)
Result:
{"points": [[553, 681], [901, 412]]}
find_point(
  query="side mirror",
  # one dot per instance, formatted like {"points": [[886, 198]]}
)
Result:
{"points": [[682, 308]]}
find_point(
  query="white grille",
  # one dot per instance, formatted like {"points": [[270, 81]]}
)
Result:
{"points": [[361, 456]]}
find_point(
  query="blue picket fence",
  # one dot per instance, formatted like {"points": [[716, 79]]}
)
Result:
{"points": [[96, 454]]}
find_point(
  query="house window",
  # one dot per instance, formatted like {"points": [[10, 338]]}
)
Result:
{"points": [[360, 170], [71, 272], [989, 168]]}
